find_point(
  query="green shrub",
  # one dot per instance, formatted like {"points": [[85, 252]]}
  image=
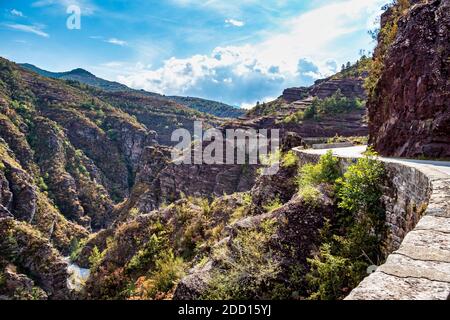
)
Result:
{"points": [[169, 269], [2, 166], [289, 159], [273, 205], [96, 258], [310, 194], [42, 185], [355, 241], [113, 134], [335, 104], [310, 111], [359, 189], [328, 275], [76, 246], [325, 171], [295, 117], [248, 265], [247, 199], [145, 257]]}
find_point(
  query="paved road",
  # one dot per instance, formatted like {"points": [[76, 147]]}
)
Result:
{"points": [[442, 167]]}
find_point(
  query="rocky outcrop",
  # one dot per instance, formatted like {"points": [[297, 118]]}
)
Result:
{"points": [[350, 88], [17, 286], [295, 94], [160, 181], [298, 225], [410, 108], [74, 189], [30, 251]]}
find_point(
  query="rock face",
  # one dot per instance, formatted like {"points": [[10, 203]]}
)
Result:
{"points": [[160, 181], [297, 238], [295, 94], [27, 249], [351, 88], [410, 111]]}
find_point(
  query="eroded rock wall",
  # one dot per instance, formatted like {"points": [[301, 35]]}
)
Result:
{"points": [[410, 108]]}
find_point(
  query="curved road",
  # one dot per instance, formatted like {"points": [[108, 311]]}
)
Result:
{"points": [[442, 167]]}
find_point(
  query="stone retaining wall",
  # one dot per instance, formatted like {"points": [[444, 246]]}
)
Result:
{"points": [[417, 202]]}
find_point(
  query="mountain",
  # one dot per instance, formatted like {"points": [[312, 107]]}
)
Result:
{"points": [[88, 184], [79, 75], [214, 108], [77, 162], [332, 107]]}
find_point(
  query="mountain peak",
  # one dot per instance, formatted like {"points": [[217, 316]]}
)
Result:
{"points": [[80, 72]]}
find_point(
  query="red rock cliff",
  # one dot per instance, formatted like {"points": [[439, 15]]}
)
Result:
{"points": [[410, 107]]}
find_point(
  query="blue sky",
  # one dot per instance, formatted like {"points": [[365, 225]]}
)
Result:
{"points": [[238, 52]]}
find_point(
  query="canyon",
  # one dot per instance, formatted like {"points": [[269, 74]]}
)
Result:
{"points": [[92, 205]]}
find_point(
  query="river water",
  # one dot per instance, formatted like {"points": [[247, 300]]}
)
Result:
{"points": [[77, 276]]}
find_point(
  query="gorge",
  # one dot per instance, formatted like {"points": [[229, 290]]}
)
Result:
{"points": [[94, 207]]}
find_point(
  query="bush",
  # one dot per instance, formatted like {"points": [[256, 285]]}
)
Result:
{"points": [[113, 134], [295, 117], [310, 112], [42, 185], [328, 274], [145, 257], [359, 189], [76, 246], [96, 258], [248, 266], [310, 194], [355, 241], [325, 171], [335, 104], [168, 271], [289, 159], [273, 205]]}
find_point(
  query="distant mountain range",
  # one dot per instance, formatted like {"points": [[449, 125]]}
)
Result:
{"points": [[214, 108]]}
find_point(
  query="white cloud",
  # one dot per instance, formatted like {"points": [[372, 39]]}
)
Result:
{"points": [[28, 28], [235, 23], [17, 13], [116, 42], [304, 49], [232, 7], [112, 64], [86, 6], [251, 105]]}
